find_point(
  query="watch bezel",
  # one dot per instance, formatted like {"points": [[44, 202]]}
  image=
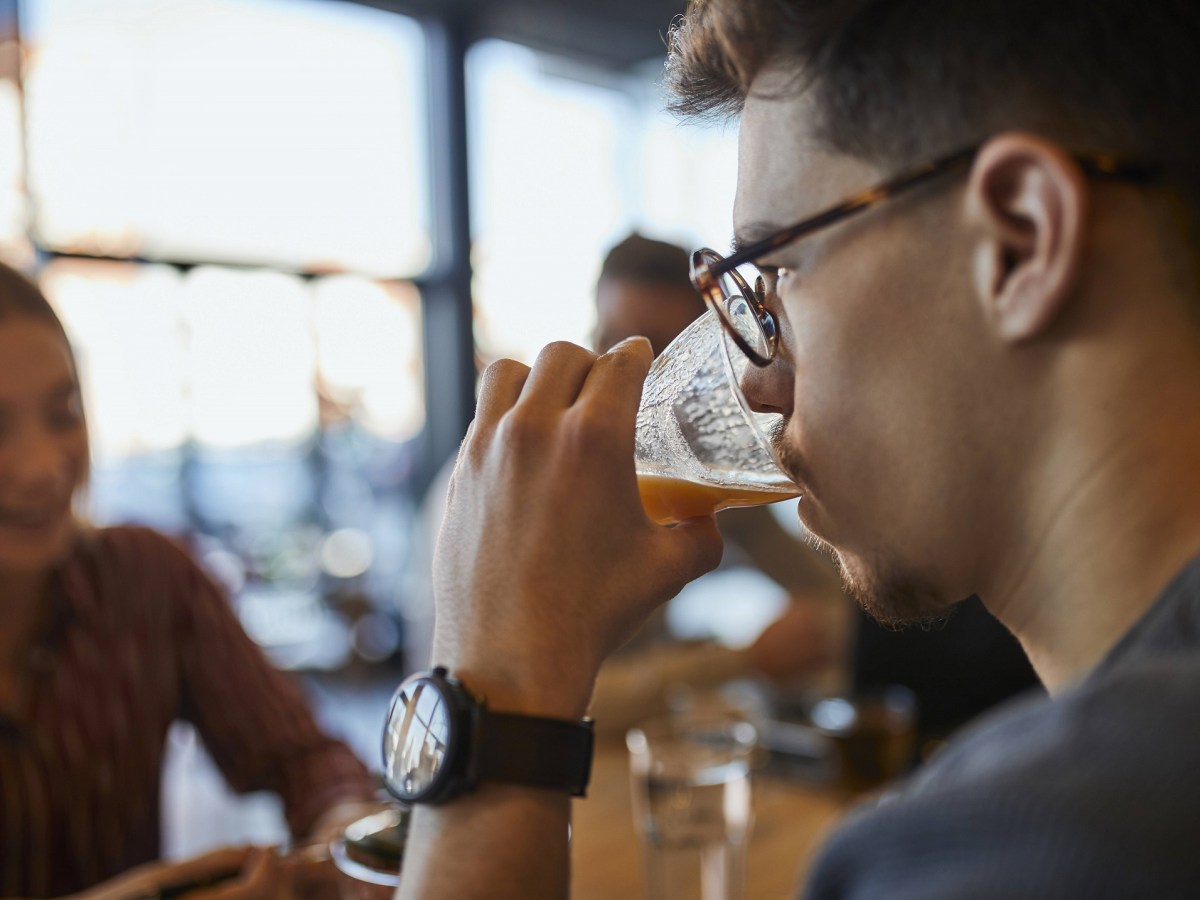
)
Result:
{"points": [[452, 778]]}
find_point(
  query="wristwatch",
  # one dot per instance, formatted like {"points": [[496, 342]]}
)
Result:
{"points": [[441, 741]]}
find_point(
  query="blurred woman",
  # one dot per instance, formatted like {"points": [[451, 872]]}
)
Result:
{"points": [[108, 636]]}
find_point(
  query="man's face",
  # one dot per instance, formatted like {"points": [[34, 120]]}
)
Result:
{"points": [[875, 372], [625, 308]]}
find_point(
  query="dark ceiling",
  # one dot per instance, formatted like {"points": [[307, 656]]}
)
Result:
{"points": [[611, 33]]}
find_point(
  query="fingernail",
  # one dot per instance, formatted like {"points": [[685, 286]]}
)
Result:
{"points": [[632, 340]]}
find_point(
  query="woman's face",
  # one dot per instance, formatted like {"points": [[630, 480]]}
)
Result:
{"points": [[43, 445]]}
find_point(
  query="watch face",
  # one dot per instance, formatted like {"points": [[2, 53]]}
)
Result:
{"points": [[418, 740]]}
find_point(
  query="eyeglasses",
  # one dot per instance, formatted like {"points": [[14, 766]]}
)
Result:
{"points": [[725, 284]]}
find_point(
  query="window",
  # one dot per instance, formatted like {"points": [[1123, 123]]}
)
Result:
{"points": [[565, 162], [14, 242], [368, 337], [280, 132], [258, 384]]}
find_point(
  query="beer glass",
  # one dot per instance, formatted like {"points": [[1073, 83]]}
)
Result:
{"points": [[699, 446]]}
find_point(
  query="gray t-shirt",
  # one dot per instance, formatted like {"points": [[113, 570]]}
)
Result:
{"points": [[1095, 793]]}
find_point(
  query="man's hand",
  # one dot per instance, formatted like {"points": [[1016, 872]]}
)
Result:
{"points": [[546, 561]]}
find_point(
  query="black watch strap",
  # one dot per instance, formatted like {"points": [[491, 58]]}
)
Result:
{"points": [[547, 753]]}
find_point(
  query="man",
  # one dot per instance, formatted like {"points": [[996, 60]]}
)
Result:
{"points": [[991, 375]]}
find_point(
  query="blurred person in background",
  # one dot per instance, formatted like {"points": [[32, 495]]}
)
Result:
{"points": [[110, 635], [957, 668]]}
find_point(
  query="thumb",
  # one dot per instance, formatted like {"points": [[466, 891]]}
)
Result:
{"points": [[690, 549]]}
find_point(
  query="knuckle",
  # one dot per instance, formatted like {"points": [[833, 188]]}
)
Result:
{"points": [[564, 350], [473, 442], [502, 371], [470, 455], [521, 428], [593, 428]]}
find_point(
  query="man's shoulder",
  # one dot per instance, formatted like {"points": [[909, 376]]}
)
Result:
{"points": [[1090, 794], [1113, 719]]}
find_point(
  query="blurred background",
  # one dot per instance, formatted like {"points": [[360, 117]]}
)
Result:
{"points": [[285, 234]]}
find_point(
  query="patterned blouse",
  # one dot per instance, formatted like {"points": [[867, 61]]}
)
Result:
{"points": [[141, 637]]}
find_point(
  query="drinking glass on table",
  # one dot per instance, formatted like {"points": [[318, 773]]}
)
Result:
{"points": [[690, 779], [368, 854], [699, 446]]}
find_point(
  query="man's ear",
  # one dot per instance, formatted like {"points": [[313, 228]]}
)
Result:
{"points": [[1028, 202]]}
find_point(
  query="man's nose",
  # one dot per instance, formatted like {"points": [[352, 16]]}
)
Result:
{"points": [[769, 389]]}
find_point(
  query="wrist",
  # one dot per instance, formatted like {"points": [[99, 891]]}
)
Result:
{"points": [[546, 695]]}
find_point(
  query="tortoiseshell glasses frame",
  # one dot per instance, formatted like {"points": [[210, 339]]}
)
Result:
{"points": [[742, 310]]}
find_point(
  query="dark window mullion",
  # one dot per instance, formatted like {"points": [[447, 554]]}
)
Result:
{"points": [[446, 288]]}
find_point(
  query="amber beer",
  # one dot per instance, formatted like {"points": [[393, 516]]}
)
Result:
{"points": [[668, 500]]}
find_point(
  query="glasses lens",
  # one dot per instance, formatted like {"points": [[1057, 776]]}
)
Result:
{"points": [[743, 310]]}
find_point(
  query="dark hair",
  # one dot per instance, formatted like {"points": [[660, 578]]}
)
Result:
{"points": [[21, 297], [896, 81], [639, 258]]}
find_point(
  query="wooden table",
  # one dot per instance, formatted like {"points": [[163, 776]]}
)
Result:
{"points": [[791, 819]]}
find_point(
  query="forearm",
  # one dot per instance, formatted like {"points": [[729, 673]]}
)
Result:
{"points": [[499, 842], [539, 575], [254, 719]]}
